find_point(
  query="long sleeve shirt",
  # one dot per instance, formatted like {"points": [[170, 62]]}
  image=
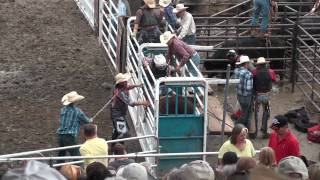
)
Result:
{"points": [[170, 17], [182, 51], [188, 27], [245, 87], [71, 117], [120, 103]]}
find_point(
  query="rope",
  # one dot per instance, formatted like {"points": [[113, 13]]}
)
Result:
{"points": [[103, 107], [219, 119]]}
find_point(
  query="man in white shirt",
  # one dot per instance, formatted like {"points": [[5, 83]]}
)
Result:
{"points": [[187, 30]]}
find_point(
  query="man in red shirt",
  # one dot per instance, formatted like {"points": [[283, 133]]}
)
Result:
{"points": [[282, 141]]}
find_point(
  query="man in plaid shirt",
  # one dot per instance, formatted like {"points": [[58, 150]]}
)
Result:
{"points": [[244, 89]]}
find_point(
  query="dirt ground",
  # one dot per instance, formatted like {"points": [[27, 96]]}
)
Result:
{"points": [[47, 49]]}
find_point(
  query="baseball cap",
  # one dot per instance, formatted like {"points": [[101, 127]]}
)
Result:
{"points": [[195, 170], [279, 121], [133, 171], [292, 164]]}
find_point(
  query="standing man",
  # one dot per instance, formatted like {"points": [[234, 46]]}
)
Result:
{"points": [[282, 141], [187, 31], [260, 6], [94, 146], [120, 103], [262, 84], [171, 18], [148, 18], [71, 117], [182, 51], [244, 90]]}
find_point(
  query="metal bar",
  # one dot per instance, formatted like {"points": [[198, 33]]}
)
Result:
{"points": [[225, 104]]}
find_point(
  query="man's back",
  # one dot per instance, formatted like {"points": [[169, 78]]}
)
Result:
{"points": [[94, 147]]}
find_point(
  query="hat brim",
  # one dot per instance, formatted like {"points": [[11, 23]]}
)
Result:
{"points": [[164, 4], [73, 100], [238, 63], [165, 41], [175, 10], [265, 62], [125, 78]]}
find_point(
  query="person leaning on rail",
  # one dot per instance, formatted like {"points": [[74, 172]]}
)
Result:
{"points": [[120, 102], [71, 118]]}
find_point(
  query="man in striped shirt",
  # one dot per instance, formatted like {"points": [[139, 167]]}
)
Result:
{"points": [[71, 117], [244, 90]]}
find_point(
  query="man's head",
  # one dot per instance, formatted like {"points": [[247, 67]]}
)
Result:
{"points": [[71, 98], [90, 131], [293, 167], [180, 10], [97, 170], [160, 61], [261, 62], [122, 79], [280, 124], [244, 61], [195, 170], [229, 158], [119, 149], [231, 55]]}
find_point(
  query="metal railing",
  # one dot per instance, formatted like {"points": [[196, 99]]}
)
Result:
{"points": [[87, 7]]}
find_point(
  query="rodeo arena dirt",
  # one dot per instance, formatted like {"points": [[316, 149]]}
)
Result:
{"points": [[49, 48]]}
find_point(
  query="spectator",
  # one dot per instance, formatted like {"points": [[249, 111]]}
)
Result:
{"points": [[267, 157], [33, 170], [119, 149], [123, 8], [148, 18], [244, 90], [94, 146], [148, 167], [282, 141], [293, 167], [229, 164], [229, 158], [97, 171], [120, 104], [264, 173], [195, 170], [71, 172], [182, 51], [187, 31], [260, 6], [262, 84], [71, 117], [238, 143], [133, 171], [171, 18], [314, 171], [243, 168]]}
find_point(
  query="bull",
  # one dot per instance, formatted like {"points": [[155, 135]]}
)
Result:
{"points": [[268, 49]]}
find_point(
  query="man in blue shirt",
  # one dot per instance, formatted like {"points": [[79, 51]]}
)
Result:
{"points": [[244, 90], [71, 118], [171, 18]]}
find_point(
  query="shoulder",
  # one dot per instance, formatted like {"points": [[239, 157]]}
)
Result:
{"points": [[293, 138], [226, 144]]}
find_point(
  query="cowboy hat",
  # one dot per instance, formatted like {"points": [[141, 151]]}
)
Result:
{"points": [[261, 60], [150, 3], [166, 36], [243, 59], [71, 97], [164, 3], [122, 77], [179, 7]]}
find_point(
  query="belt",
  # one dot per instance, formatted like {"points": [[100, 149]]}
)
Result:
{"points": [[148, 28]]}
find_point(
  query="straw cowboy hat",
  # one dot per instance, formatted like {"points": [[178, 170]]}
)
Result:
{"points": [[150, 3], [71, 97], [179, 7], [122, 77], [261, 60], [243, 59], [164, 3], [166, 36]]}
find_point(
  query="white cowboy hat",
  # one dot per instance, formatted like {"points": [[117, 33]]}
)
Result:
{"points": [[179, 7], [164, 3], [261, 60], [71, 97], [166, 36], [160, 61], [150, 3], [243, 59], [122, 77]]}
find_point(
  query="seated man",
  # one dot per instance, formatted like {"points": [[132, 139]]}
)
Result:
{"points": [[93, 146]]}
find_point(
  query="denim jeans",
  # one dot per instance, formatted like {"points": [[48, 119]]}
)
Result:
{"points": [[190, 39], [246, 110], [264, 101], [149, 36], [196, 60], [67, 140], [261, 6]]}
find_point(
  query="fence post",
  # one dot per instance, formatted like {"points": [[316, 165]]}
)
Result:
{"points": [[225, 104], [295, 35]]}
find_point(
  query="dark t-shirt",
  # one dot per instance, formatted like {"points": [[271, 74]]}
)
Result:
{"points": [[118, 163]]}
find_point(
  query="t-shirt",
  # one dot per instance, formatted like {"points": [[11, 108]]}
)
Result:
{"points": [[288, 146], [119, 163], [247, 152], [94, 147]]}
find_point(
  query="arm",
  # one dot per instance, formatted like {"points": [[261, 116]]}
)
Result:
{"points": [[185, 27], [139, 14], [126, 99], [83, 118], [294, 149], [131, 86], [249, 84]]}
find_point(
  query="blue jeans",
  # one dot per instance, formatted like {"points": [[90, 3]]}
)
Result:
{"points": [[246, 110], [196, 60], [190, 39], [264, 101], [149, 36], [261, 6], [67, 140]]}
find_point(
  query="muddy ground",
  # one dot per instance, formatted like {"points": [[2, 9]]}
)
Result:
{"points": [[47, 49]]}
